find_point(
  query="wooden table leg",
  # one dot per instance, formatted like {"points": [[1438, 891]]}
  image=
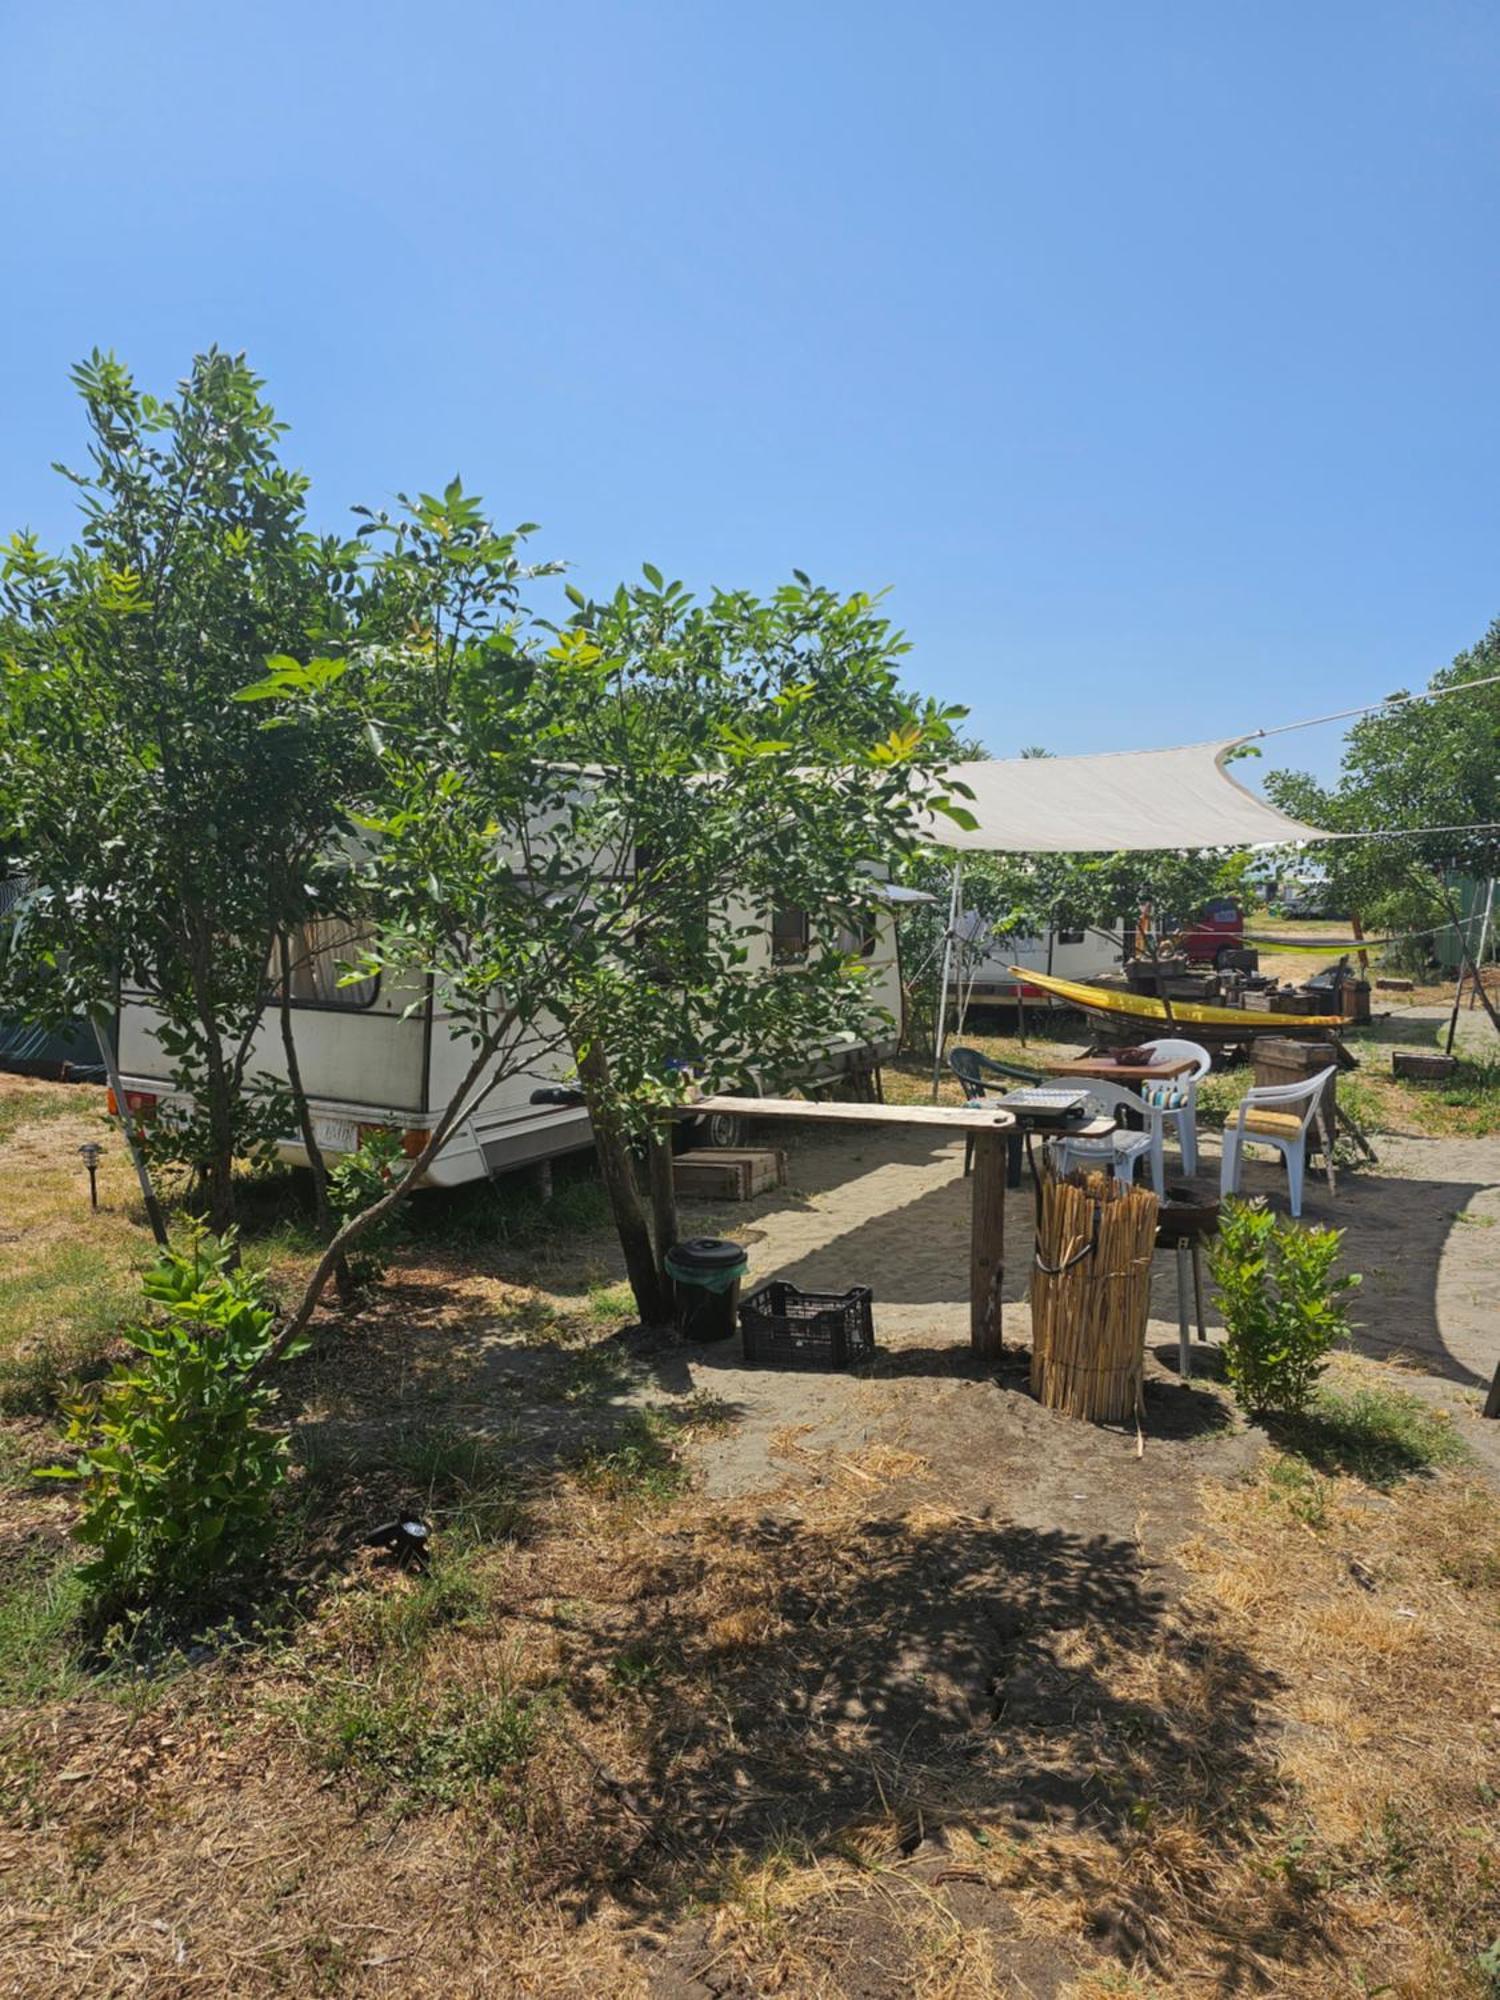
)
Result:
{"points": [[987, 1243]]}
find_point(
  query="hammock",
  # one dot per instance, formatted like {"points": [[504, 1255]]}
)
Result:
{"points": [[1141, 1007], [1320, 947]]}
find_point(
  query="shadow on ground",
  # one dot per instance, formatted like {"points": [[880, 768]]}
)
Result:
{"points": [[889, 1689]]}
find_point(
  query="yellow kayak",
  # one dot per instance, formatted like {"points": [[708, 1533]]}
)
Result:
{"points": [[1142, 1007]]}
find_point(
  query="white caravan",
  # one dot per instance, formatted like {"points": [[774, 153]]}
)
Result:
{"points": [[381, 1054], [981, 975]]}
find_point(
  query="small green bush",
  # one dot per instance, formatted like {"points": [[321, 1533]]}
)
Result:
{"points": [[179, 1466], [1284, 1307]]}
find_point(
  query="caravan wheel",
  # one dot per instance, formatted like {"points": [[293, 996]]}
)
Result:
{"points": [[723, 1129]]}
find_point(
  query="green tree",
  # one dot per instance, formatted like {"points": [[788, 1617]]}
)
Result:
{"points": [[1146, 898], [754, 754], [578, 833], [1418, 765], [167, 841]]}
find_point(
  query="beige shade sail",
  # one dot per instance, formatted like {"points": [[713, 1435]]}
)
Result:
{"points": [[1121, 800]]}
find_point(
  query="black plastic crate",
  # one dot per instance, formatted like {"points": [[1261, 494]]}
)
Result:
{"points": [[787, 1328]]}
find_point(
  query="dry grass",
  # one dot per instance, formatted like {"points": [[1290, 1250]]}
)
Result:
{"points": [[844, 1739], [818, 1757]]}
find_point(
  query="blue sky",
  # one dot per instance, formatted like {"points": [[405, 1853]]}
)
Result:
{"points": [[1146, 352]]}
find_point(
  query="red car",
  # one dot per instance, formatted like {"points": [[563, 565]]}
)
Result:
{"points": [[1218, 927]]}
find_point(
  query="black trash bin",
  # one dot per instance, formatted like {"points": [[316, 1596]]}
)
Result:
{"points": [[706, 1273]]}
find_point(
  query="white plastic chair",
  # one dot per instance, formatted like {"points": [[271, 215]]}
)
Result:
{"points": [[1185, 1115], [1119, 1150], [1266, 1117]]}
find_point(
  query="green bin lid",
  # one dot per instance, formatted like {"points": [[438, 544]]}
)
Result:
{"points": [[702, 1259]]}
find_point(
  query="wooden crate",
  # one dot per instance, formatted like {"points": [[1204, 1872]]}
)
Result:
{"points": [[1279, 1059], [727, 1173], [1292, 1004], [1197, 986], [1419, 1065]]}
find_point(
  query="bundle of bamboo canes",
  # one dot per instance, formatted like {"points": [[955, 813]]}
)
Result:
{"points": [[1090, 1295]]}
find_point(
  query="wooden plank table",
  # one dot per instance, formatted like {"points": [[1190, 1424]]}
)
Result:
{"points": [[987, 1212], [991, 1129]]}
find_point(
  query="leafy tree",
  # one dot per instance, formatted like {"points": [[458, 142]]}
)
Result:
{"points": [[576, 834], [1418, 765], [988, 913], [168, 841], [1137, 900], [754, 754]]}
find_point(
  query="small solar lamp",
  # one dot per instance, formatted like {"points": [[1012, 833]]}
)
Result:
{"points": [[91, 1153]]}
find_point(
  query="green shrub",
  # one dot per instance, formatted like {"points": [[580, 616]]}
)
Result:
{"points": [[179, 1466], [1284, 1307]]}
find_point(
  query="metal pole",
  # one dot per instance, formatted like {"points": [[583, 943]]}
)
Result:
{"points": [[1484, 935], [1184, 1337], [942, 1019]]}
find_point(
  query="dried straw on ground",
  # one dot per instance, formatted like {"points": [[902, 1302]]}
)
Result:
{"points": [[1090, 1296]]}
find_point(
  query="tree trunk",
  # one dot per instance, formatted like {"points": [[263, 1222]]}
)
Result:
{"points": [[218, 1170], [459, 1104], [663, 1197], [315, 1160], [652, 1301], [154, 1213], [219, 1088]]}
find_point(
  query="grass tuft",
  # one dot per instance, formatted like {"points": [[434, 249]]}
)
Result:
{"points": [[611, 1303], [1379, 1436], [58, 1321], [418, 1748], [465, 1483], [41, 1612], [643, 1465]]}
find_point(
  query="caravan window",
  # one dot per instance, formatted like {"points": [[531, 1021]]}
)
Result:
{"points": [[789, 934], [859, 943], [320, 950]]}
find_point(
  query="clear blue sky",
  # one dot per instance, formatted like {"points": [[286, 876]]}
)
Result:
{"points": [[1148, 352]]}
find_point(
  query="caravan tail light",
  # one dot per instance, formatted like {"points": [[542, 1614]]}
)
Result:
{"points": [[141, 1102], [413, 1139]]}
